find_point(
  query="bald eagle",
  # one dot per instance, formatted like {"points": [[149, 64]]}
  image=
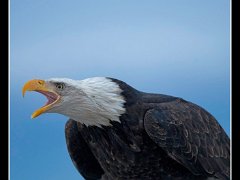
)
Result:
{"points": [[117, 132]]}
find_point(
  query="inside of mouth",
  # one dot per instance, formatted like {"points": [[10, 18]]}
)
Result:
{"points": [[51, 97]]}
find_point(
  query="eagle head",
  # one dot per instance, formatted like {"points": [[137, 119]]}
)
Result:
{"points": [[93, 101]]}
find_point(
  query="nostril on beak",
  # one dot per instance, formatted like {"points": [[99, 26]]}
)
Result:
{"points": [[40, 82]]}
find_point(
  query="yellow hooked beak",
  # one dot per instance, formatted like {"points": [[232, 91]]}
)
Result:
{"points": [[44, 88]]}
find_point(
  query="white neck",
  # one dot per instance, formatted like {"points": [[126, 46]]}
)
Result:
{"points": [[99, 101]]}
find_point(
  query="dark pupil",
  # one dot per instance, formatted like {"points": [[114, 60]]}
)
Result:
{"points": [[59, 86]]}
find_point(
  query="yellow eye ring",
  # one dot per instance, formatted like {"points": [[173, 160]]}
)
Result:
{"points": [[59, 85]]}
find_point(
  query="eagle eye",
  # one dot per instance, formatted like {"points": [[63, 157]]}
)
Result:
{"points": [[59, 85]]}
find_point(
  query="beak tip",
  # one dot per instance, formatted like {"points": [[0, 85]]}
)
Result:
{"points": [[34, 115], [24, 91]]}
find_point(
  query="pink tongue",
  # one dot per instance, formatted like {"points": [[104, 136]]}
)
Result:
{"points": [[50, 96]]}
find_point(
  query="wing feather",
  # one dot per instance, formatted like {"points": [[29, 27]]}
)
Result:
{"points": [[80, 153], [191, 136]]}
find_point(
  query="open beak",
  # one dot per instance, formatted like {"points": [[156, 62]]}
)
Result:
{"points": [[42, 87]]}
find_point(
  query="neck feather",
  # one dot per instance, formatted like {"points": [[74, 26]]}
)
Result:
{"points": [[102, 102]]}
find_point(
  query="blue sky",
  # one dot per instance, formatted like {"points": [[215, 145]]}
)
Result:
{"points": [[179, 48]]}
